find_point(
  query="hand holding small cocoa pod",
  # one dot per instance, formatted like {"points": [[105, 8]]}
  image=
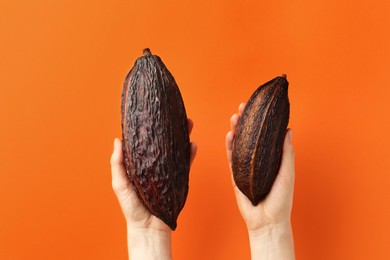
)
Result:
{"points": [[258, 142], [277, 205]]}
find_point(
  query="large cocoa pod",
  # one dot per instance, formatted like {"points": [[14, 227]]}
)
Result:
{"points": [[259, 137], [156, 142]]}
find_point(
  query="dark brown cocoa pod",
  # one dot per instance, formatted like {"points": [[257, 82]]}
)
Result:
{"points": [[156, 144], [259, 138]]}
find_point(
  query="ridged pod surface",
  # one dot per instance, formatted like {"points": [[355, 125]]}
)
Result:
{"points": [[259, 137], [156, 142]]}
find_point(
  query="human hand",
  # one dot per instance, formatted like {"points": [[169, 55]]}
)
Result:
{"points": [[144, 229], [268, 223]]}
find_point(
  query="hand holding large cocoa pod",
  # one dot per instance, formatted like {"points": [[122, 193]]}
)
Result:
{"points": [[156, 144]]}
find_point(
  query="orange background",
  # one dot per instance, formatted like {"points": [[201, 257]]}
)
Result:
{"points": [[62, 68]]}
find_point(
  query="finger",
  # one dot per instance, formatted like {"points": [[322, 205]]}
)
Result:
{"points": [[233, 122], [229, 145], [241, 108], [118, 172], [194, 149], [190, 125]]}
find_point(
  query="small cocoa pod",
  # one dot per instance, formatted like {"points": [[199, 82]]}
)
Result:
{"points": [[156, 144], [259, 137]]}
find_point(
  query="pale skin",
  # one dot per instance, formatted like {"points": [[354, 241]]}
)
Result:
{"points": [[268, 224]]}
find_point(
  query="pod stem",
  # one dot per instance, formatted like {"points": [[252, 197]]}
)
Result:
{"points": [[147, 52]]}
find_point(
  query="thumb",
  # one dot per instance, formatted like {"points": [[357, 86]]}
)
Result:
{"points": [[283, 186], [288, 156]]}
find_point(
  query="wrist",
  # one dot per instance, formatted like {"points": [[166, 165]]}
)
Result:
{"points": [[148, 244], [273, 241]]}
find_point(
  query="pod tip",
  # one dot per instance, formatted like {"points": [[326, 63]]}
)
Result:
{"points": [[284, 76]]}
